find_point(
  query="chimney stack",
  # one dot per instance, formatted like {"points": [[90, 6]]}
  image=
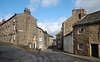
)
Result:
{"points": [[27, 11]]}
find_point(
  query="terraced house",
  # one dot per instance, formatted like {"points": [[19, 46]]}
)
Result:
{"points": [[22, 29], [86, 35]]}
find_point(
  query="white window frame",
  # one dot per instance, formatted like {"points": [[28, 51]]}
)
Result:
{"points": [[30, 45], [8, 29], [34, 37], [40, 39], [14, 27], [14, 36], [8, 37], [79, 45], [8, 23], [80, 30], [14, 20], [40, 46]]}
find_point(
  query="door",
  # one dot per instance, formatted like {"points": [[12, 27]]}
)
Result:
{"points": [[34, 45], [94, 50]]}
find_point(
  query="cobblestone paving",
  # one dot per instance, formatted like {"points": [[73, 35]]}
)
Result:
{"points": [[13, 54]]}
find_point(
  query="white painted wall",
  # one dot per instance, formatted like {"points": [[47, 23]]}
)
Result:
{"points": [[68, 44]]}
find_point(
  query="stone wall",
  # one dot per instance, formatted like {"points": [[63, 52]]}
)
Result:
{"points": [[81, 38], [22, 29], [7, 31], [89, 37], [67, 25], [59, 40]]}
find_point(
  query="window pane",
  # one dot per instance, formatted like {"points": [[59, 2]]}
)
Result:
{"points": [[14, 36], [34, 37], [14, 20], [80, 46], [40, 39], [14, 27], [81, 31]]}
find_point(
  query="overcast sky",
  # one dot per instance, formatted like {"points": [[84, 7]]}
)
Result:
{"points": [[49, 13]]}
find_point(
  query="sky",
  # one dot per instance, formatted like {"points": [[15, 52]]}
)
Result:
{"points": [[49, 13]]}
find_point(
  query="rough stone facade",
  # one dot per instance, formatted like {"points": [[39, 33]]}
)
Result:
{"points": [[22, 29], [91, 36], [50, 41], [67, 25], [59, 40]]}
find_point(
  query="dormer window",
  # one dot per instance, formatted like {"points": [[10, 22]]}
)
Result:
{"points": [[81, 31]]}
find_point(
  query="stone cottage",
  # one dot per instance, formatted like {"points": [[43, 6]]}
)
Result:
{"points": [[86, 35], [68, 29], [22, 29]]}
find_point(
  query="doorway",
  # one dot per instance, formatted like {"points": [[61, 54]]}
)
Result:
{"points": [[94, 50], [34, 45]]}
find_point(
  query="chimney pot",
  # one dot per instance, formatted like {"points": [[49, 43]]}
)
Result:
{"points": [[81, 11], [86, 12]]}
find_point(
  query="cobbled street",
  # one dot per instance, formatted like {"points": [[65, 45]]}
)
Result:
{"points": [[9, 53]]}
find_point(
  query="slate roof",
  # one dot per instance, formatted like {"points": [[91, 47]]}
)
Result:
{"points": [[68, 34], [89, 19]]}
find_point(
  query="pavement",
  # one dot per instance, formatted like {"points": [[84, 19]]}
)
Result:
{"points": [[91, 59], [10, 53]]}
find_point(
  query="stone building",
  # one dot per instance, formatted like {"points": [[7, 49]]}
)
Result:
{"points": [[50, 41], [54, 42], [59, 40], [22, 29], [67, 26], [86, 35], [68, 29]]}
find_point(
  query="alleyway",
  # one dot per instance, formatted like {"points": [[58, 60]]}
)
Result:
{"points": [[14, 54]]}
